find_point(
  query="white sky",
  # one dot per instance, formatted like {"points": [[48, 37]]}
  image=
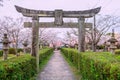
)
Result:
{"points": [[109, 7]]}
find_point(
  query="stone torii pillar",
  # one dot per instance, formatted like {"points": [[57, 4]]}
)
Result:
{"points": [[81, 36], [35, 35], [35, 39]]}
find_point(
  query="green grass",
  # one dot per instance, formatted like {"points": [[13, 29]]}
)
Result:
{"points": [[10, 56], [73, 68]]}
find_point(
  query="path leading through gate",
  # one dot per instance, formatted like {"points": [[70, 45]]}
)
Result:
{"points": [[56, 69], [58, 15]]}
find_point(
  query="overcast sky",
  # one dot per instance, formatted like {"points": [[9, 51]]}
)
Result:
{"points": [[109, 7]]}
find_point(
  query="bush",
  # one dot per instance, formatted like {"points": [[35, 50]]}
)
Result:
{"points": [[100, 47], [95, 65], [21, 67], [44, 53], [1, 53], [71, 54], [19, 50], [117, 51], [12, 51]]}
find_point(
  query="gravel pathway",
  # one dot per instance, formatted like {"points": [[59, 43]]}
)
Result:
{"points": [[56, 69]]}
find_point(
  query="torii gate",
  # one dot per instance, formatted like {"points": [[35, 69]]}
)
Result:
{"points": [[58, 14]]}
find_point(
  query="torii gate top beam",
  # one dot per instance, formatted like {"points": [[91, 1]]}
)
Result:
{"points": [[71, 14]]}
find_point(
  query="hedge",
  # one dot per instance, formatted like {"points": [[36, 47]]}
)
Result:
{"points": [[19, 50], [19, 68], [1, 53], [12, 51], [71, 54], [22, 67], [117, 51], [47, 52], [95, 65]]}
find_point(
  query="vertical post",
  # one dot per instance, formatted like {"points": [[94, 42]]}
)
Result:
{"points": [[94, 36], [35, 39], [81, 35]]}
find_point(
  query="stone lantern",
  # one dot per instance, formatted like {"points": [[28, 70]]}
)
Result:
{"points": [[25, 44], [5, 42], [105, 46], [112, 41]]}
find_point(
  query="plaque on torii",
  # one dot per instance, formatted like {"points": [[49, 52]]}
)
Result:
{"points": [[58, 15]]}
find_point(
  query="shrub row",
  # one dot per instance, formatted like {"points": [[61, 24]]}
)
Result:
{"points": [[95, 66], [71, 54], [45, 53], [19, 68], [13, 50], [22, 67]]}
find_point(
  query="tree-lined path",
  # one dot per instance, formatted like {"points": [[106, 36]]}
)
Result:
{"points": [[56, 69]]}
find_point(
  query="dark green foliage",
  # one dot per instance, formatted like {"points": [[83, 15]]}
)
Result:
{"points": [[1, 53], [21, 67], [44, 53], [117, 51], [19, 50], [95, 65], [12, 51], [71, 54], [100, 47]]}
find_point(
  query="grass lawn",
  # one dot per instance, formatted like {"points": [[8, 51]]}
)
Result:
{"points": [[10, 56]]}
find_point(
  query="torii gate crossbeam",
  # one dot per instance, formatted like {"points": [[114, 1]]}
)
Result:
{"points": [[52, 25]]}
